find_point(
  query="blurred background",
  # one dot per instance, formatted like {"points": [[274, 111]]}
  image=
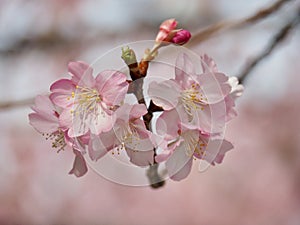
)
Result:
{"points": [[258, 182]]}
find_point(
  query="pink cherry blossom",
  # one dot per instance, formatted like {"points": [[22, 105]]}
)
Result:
{"points": [[129, 133], [183, 144], [200, 97], [45, 120], [209, 65], [88, 103]]}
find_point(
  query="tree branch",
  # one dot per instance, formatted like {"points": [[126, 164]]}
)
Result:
{"points": [[14, 104], [212, 30], [277, 39], [137, 73]]}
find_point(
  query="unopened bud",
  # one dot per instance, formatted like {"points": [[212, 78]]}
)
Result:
{"points": [[128, 55], [181, 37]]}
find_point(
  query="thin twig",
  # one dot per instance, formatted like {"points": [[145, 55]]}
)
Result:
{"points": [[14, 104], [212, 30], [277, 39], [137, 73]]}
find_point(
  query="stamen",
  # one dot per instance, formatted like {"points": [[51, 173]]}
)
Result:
{"points": [[129, 136], [58, 140], [192, 99], [87, 107], [190, 143]]}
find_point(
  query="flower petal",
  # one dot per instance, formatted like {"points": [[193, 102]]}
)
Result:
{"points": [[43, 123], [82, 74], [130, 112], [140, 158], [112, 86], [216, 149], [179, 163], [66, 118], [137, 111], [99, 145], [43, 104], [208, 64], [101, 123], [167, 124], [163, 156], [164, 94], [62, 93], [214, 86], [211, 119], [184, 70], [236, 88], [79, 165]]}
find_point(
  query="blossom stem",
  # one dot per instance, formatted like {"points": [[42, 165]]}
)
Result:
{"points": [[137, 74]]}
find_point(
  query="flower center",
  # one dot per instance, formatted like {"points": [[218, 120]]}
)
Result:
{"points": [[194, 145], [86, 98], [128, 136], [200, 149], [192, 99], [88, 106], [190, 143]]}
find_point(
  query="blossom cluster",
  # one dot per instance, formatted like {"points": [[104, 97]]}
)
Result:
{"points": [[85, 114], [88, 115], [196, 110]]}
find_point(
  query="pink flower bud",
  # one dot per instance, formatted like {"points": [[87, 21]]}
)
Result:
{"points": [[181, 37], [168, 25], [165, 29]]}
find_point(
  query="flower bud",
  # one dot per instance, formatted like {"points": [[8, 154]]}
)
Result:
{"points": [[181, 37], [168, 25], [128, 56], [165, 30]]}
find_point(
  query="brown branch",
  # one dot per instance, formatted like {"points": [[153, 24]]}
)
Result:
{"points": [[137, 73], [212, 30], [13, 104], [276, 40], [265, 12]]}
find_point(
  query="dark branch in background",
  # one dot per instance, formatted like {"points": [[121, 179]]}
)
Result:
{"points": [[212, 30], [277, 39], [265, 12], [14, 104], [54, 40], [48, 41]]}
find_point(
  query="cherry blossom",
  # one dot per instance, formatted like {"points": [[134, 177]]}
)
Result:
{"points": [[129, 133], [200, 97], [89, 115], [88, 103], [182, 144], [45, 120]]}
